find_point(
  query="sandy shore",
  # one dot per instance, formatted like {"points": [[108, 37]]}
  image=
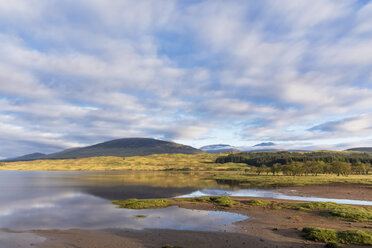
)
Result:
{"points": [[339, 191]]}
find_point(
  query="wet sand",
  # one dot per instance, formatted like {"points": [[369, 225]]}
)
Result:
{"points": [[338, 191]]}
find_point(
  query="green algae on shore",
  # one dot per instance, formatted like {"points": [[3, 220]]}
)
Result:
{"points": [[356, 237], [143, 203]]}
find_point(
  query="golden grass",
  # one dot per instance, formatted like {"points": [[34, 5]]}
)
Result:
{"points": [[269, 181], [156, 162], [228, 173]]}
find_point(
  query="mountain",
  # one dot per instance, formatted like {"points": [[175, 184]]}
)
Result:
{"points": [[265, 150], [218, 148], [266, 144], [124, 148], [31, 156], [360, 149]]}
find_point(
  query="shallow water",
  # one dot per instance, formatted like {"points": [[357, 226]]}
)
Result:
{"points": [[17, 240], [63, 200], [269, 194]]}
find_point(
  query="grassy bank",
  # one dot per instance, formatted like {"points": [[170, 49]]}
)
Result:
{"points": [[356, 237], [328, 209], [268, 181], [218, 201], [143, 204]]}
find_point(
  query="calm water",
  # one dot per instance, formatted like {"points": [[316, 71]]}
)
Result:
{"points": [[269, 194], [62, 200]]}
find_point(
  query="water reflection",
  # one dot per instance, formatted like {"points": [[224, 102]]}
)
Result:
{"points": [[16, 240], [78, 210], [269, 194], [62, 200]]}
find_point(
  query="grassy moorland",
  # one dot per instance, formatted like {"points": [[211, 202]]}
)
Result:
{"points": [[231, 167], [156, 162]]}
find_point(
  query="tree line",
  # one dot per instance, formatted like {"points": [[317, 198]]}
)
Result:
{"points": [[315, 168], [304, 163]]}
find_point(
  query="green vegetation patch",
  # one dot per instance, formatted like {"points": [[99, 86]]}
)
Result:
{"points": [[355, 237], [140, 216], [220, 201], [256, 202], [346, 212], [143, 203]]}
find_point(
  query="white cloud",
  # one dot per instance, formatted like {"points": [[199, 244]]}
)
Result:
{"points": [[358, 125], [80, 72]]}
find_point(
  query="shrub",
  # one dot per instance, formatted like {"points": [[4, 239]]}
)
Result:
{"points": [[332, 245]]}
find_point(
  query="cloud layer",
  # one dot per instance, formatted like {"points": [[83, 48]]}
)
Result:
{"points": [[199, 72]]}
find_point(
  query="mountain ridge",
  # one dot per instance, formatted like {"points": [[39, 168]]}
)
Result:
{"points": [[216, 148], [27, 157], [360, 149], [123, 147]]}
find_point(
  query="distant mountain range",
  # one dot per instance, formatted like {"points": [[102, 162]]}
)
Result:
{"points": [[27, 157], [360, 149], [218, 148], [261, 147], [120, 148], [145, 146], [266, 144]]}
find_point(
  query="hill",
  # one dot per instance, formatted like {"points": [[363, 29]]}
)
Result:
{"points": [[124, 148], [27, 157], [118, 148], [360, 149]]}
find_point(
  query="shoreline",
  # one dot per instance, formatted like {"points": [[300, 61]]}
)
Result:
{"points": [[336, 190], [264, 227]]}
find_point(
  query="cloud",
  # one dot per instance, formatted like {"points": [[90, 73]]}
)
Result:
{"points": [[357, 125], [81, 72]]}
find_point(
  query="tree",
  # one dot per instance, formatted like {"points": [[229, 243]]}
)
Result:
{"points": [[359, 168], [317, 167], [275, 169], [341, 168]]}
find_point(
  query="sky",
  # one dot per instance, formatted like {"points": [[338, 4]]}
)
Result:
{"points": [[77, 72]]}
